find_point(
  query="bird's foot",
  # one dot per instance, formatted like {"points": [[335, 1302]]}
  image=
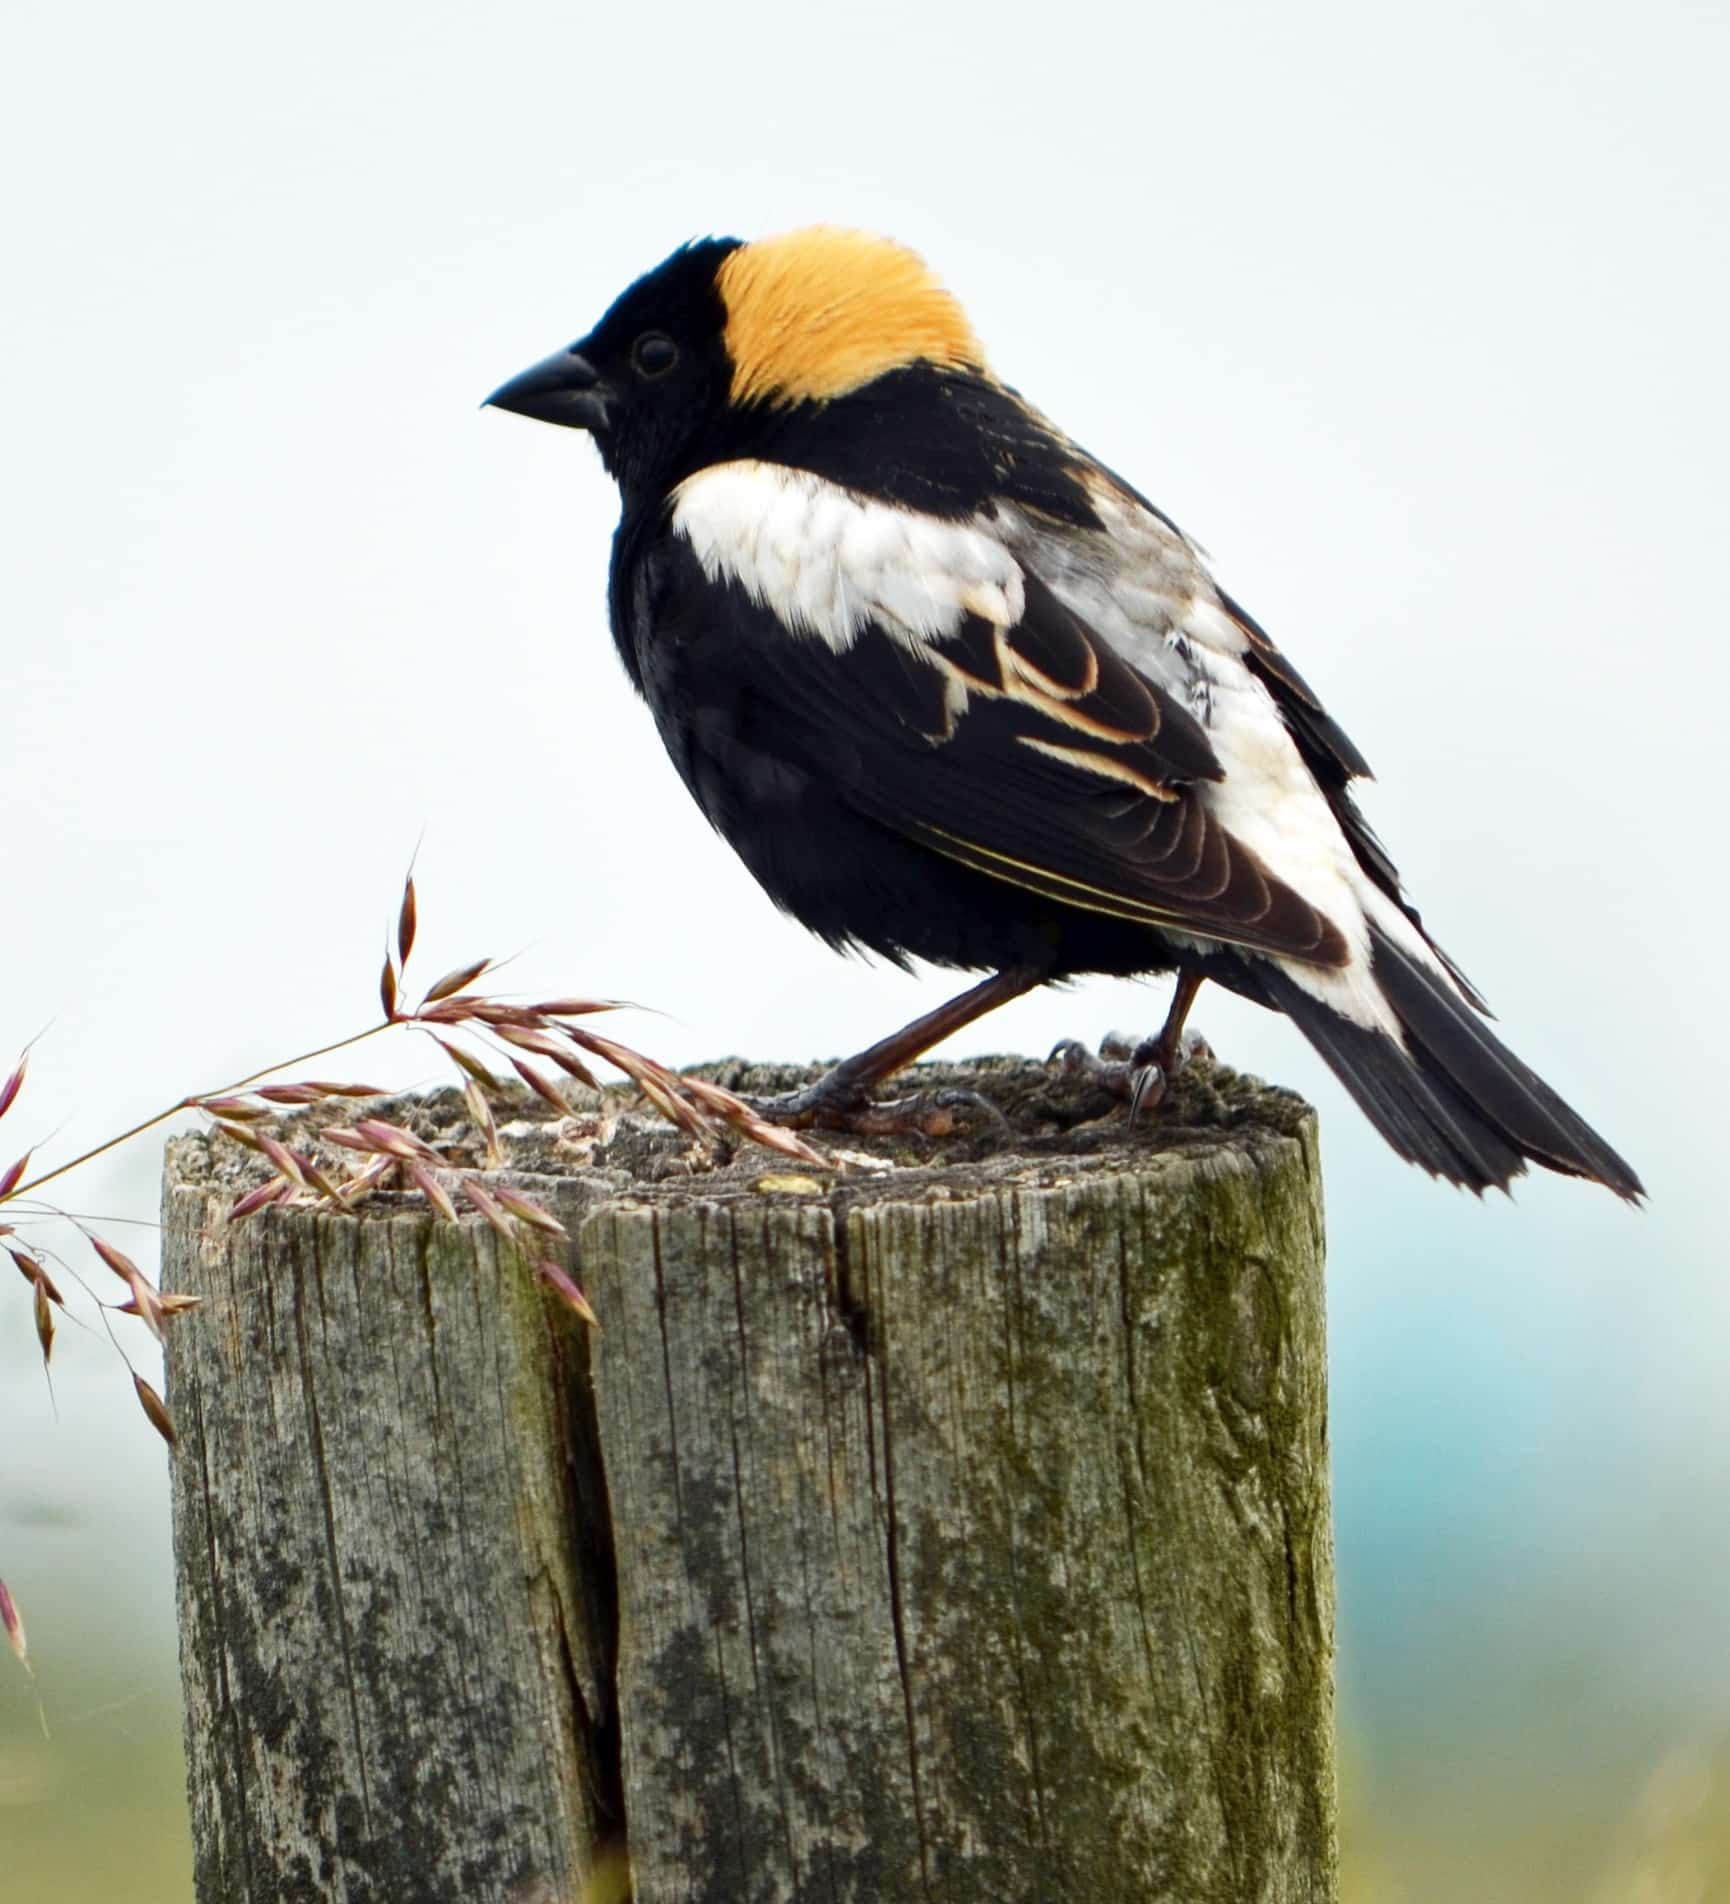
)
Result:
{"points": [[836, 1103], [1137, 1070], [926, 1114], [1132, 1073]]}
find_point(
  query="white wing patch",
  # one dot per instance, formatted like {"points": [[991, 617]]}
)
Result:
{"points": [[827, 561], [1143, 587], [1136, 582]]}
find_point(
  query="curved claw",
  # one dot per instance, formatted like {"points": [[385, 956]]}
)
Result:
{"points": [[1072, 1055], [1146, 1089], [1137, 1070]]}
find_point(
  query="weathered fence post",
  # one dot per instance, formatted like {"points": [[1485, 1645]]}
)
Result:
{"points": [[953, 1532]]}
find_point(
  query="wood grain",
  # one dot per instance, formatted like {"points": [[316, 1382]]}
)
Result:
{"points": [[955, 1532]]}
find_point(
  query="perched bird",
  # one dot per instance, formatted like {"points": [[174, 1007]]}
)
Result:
{"points": [[955, 691]]}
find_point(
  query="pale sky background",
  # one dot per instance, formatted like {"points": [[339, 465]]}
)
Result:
{"points": [[1415, 318]]}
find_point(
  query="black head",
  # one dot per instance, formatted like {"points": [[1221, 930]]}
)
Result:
{"points": [[718, 348], [650, 380]]}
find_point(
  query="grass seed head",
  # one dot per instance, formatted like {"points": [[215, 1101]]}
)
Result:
{"points": [[146, 1305], [567, 1289], [44, 1321], [495, 1011], [325, 1185], [264, 1195], [663, 1093], [530, 1211], [715, 1097], [346, 1139], [481, 1114], [366, 1179], [552, 1029], [573, 1067], [117, 1260], [467, 1063], [482, 1199], [530, 1038], [773, 1137], [434, 1191], [156, 1411], [33, 1272], [13, 1621], [454, 981], [543, 1088], [14, 1084], [289, 1163], [405, 921], [394, 1141]]}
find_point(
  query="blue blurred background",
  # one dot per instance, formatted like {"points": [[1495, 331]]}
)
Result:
{"points": [[1415, 319]]}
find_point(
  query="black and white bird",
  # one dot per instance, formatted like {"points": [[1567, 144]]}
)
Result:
{"points": [[955, 691]]}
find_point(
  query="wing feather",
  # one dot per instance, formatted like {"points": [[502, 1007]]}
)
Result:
{"points": [[1016, 740]]}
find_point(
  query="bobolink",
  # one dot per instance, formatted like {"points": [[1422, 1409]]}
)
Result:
{"points": [[953, 690]]}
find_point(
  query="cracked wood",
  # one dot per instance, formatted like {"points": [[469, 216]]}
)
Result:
{"points": [[970, 1527], [395, 1658], [973, 1537]]}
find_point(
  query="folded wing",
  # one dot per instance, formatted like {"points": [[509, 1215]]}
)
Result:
{"points": [[948, 694]]}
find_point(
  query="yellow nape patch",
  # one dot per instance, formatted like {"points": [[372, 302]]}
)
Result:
{"points": [[816, 313]]}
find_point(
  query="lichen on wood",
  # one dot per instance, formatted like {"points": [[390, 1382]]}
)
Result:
{"points": [[952, 1529]]}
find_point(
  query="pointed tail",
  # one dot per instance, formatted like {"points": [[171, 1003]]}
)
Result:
{"points": [[1455, 1099]]}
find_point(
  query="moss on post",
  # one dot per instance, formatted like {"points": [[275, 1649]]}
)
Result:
{"points": [[968, 1517]]}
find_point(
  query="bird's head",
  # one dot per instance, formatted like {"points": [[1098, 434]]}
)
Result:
{"points": [[696, 356]]}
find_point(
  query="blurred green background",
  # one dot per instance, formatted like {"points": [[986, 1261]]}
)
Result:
{"points": [[1415, 318]]}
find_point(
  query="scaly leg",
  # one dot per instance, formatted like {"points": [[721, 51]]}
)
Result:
{"points": [[841, 1098], [1168, 1046]]}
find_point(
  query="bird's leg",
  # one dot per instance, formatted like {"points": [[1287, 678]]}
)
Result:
{"points": [[1142, 1072], [841, 1098], [1168, 1046]]}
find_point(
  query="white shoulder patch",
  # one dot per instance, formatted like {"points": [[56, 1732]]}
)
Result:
{"points": [[827, 561]]}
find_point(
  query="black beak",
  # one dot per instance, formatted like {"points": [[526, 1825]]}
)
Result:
{"points": [[563, 388]]}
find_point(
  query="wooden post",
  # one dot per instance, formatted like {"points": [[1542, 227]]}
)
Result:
{"points": [[951, 1532]]}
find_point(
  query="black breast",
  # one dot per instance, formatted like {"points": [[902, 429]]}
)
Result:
{"points": [[748, 714]]}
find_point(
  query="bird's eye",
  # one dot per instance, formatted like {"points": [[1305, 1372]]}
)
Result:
{"points": [[654, 354]]}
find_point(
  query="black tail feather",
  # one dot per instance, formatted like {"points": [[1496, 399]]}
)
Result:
{"points": [[1454, 1099]]}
